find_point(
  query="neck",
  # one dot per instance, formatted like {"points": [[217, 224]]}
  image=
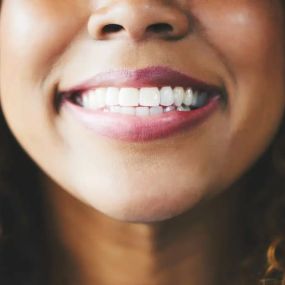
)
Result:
{"points": [[194, 248]]}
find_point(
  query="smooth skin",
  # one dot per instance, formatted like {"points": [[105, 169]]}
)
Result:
{"points": [[96, 186]]}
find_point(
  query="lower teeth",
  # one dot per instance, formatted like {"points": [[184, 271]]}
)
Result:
{"points": [[145, 111], [183, 108]]}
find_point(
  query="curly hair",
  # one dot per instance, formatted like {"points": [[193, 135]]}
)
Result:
{"points": [[262, 206]]}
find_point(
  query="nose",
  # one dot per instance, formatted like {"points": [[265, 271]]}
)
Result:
{"points": [[138, 20]]}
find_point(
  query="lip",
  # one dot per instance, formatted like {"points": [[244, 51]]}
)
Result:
{"points": [[157, 76], [134, 128]]}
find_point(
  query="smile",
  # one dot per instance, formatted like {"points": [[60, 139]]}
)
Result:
{"points": [[141, 105]]}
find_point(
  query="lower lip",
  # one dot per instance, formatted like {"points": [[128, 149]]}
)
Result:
{"points": [[133, 128]]}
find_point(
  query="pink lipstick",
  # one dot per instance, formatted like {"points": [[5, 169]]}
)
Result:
{"points": [[141, 105]]}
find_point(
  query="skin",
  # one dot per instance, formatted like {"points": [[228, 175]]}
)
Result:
{"points": [[237, 44]]}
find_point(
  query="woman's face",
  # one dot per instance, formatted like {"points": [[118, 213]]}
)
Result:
{"points": [[50, 46]]}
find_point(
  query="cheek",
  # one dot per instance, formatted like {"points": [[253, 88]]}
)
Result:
{"points": [[247, 35], [249, 38], [33, 37], [34, 34]]}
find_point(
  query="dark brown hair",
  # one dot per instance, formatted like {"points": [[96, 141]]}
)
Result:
{"points": [[22, 233]]}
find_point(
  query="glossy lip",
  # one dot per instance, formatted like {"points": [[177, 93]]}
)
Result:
{"points": [[133, 128], [140, 129]]}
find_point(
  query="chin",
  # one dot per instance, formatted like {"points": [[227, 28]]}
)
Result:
{"points": [[144, 212], [141, 206]]}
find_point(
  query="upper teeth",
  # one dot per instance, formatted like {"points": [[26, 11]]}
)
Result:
{"points": [[145, 97]]}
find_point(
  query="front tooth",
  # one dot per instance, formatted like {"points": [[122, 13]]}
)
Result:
{"points": [[112, 96], [142, 111], [97, 98], [129, 97], [178, 96], [128, 110], [156, 110], [149, 96], [188, 98], [200, 99], [166, 96]]}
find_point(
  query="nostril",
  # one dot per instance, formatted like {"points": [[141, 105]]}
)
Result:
{"points": [[159, 28], [112, 28]]}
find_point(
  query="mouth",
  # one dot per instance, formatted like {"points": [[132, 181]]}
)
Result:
{"points": [[141, 105]]}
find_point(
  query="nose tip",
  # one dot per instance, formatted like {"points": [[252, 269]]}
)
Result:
{"points": [[138, 20]]}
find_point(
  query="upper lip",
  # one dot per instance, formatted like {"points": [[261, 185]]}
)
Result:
{"points": [[154, 76]]}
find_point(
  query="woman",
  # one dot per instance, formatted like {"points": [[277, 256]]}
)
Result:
{"points": [[156, 129]]}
